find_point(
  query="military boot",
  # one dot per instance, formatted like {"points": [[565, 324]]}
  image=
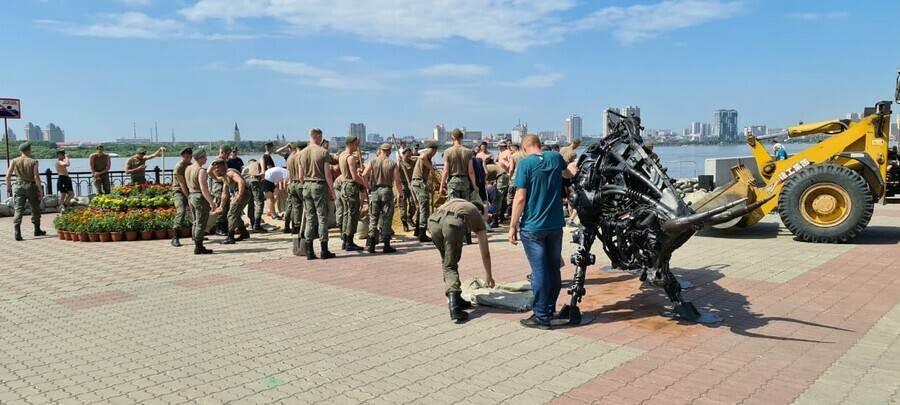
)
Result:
{"points": [[463, 304], [405, 227], [387, 247], [416, 232], [200, 250], [456, 312], [175, 241], [469, 238], [19, 232], [245, 234], [38, 231], [287, 228], [221, 230], [343, 242], [423, 237], [229, 240], [370, 245], [495, 221], [310, 254], [257, 227], [325, 253], [352, 246]]}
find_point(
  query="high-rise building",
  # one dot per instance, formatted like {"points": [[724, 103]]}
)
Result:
{"points": [[11, 135], [33, 133], [439, 134], [54, 133], [237, 133], [608, 119], [705, 130], [696, 127], [358, 130], [854, 117], [573, 128], [472, 135], [725, 125], [374, 138], [518, 132], [895, 128], [632, 111]]}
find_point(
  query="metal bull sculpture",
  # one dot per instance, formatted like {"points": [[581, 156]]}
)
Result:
{"points": [[625, 199]]}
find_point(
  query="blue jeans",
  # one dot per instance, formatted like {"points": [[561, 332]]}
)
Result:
{"points": [[543, 249]]}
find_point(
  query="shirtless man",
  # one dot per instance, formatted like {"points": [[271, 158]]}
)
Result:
{"points": [[64, 182]]}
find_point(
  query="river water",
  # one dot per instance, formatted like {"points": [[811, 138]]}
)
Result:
{"points": [[682, 161]]}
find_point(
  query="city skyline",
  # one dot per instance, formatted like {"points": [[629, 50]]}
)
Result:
{"points": [[283, 67]]}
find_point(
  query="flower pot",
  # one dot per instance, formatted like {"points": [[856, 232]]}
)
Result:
{"points": [[83, 237], [105, 236], [131, 235], [185, 232], [71, 236], [146, 235], [170, 233], [160, 233], [61, 235], [94, 236], [116, 236]]}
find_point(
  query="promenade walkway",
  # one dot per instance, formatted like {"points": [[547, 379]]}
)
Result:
{"points": [[142, 322]]}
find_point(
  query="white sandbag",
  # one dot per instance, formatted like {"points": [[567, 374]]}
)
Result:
{"points": [[50, 201], [5, 210]]}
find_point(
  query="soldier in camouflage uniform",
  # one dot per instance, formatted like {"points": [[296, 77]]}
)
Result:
{"points": [[294, 208], [216, 190], [449, 225], [459, 172], [233, 180], [28, 190], [419, 183], [253, 175], [407, 208], [384, 174], [200, 199], [317, 191], [351, 185], [180, 193], [136, 166]]}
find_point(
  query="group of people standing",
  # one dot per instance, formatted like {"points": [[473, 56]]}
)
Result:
{"points": [[526, 183]]}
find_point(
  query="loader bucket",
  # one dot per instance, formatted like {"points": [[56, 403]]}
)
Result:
{"points": [[743, 186]]}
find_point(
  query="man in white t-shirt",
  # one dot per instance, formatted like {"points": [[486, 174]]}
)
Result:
{"points": [[275, 186]]}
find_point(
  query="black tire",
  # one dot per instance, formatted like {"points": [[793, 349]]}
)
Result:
{"points": [[824, 179]]}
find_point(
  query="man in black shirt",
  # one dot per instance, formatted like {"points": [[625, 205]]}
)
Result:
{"points": [[234, 162]]}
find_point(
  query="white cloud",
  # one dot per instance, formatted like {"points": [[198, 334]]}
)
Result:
{"points": [[817, 16], [534, 81], [350, 59], [642, 22], [456, 70], [137, 3], [508, 24], [137, 25], [315, 76]]}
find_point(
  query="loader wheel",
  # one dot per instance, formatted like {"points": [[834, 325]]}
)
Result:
{"points": [[825, 203]]}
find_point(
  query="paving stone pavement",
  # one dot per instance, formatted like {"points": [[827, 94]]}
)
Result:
{"points": [[143, 322]]}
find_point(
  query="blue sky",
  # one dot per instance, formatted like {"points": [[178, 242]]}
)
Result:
{"points": [[94, 67]]}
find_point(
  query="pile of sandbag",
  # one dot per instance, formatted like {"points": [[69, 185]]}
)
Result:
{"points": [[50, 204]]}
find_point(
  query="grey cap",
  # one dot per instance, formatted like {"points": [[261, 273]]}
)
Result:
{"points": [[186, 150], [430, 145], [350, 139], [218, 161], [141, 151], [200, 153], [225, 148], [25, 146], [385, 146]]}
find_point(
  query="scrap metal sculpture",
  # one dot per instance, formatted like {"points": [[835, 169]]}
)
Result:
{"points": [[625, 198]]}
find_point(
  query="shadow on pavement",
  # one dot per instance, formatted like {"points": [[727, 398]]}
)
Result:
{"points": [[766, 230], [878, 235]]}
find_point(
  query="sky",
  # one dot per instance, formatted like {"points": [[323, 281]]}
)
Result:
{"points": [[97, 67]]}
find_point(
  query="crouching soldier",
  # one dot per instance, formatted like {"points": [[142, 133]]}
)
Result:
{"points": [[449, 225], [234, 181]]}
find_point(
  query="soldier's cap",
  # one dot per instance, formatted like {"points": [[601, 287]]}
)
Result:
{"points": [[406, 150], [576, 142], [385, 146], [225, 148], [141, 151], [218, 161], [350, 139], [99, 146], [186, 150], [431, 145], [60, 150], [296, 144], [270, 144], [25, 146], [302, 144], [457, 133], [200, 153]]}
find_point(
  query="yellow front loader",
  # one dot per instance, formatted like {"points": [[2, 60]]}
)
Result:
{"points": [[825, 193]]}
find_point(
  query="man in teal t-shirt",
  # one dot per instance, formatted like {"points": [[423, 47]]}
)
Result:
{"points": [[538, 205]]}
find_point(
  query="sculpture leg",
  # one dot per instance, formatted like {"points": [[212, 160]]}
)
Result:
{"points": [[570, 314], [682, 310]]}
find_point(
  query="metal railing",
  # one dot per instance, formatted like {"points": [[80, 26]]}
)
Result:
{"points": [[83, 182]]}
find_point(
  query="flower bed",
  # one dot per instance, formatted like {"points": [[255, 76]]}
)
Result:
{"points": [[127, 210]]}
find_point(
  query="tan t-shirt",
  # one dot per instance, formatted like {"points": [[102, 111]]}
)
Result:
{"points": [[515, 158], [100, 162], [420, 171], [344, 165], [313, 159], [456, 160], [492, 171], [134, 162], [180, 168], [383, 171], [293, 167], [231, 183], [23, 167], [192, 177], [474, 221], [251, 172], [406, 171]]}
